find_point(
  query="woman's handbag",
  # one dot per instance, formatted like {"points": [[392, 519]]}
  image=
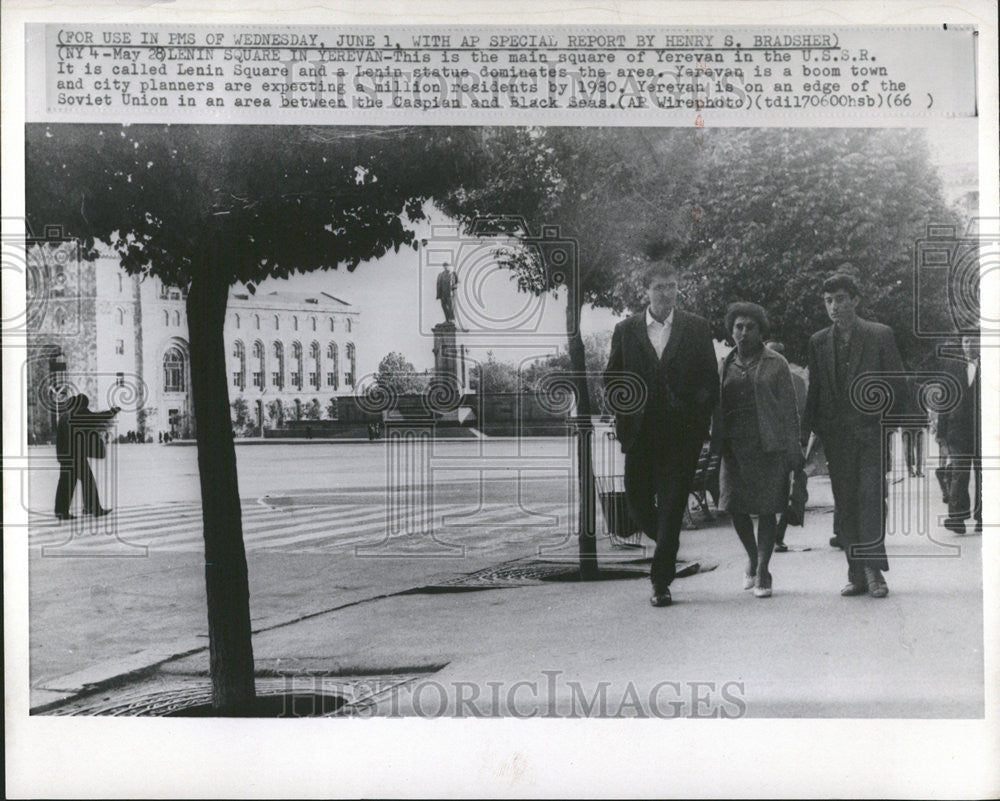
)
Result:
{"points": [[795, 514]]}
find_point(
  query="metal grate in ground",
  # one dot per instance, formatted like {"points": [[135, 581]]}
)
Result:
{"points": [[308, 694]]}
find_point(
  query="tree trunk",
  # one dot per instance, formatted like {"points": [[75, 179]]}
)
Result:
{"points": [[226, 581], [586, 489]]}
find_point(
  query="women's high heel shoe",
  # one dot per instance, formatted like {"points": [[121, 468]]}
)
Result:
{"points": [[761, 590]]}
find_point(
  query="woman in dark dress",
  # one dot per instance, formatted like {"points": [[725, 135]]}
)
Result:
{"points": [[756, 430]]}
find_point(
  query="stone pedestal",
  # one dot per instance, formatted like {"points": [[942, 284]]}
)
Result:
{"points": [[450, 373], [447, 356]]}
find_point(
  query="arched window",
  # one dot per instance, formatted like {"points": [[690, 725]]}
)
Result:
{"points": [[121, 283], [349, 375], [295, 323], [166, 317], [236, 319], [348, 324], [296, 365], [177, 318], [258, 364], [332, 377], [278, 374], [120, 316], [313, 321], [240, 366], [315, 367], [173, 370], [333, 326], [277, 323], [256, 322]]}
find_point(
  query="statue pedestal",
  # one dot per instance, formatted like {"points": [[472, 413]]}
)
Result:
{"points": [[450, 373], [449, 357]]}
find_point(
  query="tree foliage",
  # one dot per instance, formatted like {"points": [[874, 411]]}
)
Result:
{"points": [[204, 207], [396, 373], [241, 416], [598, 347], [780, 210], [492, 376]]}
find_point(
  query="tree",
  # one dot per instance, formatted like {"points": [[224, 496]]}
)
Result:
{"points": [[597, 347], [399, 375], [312, 410], [275, 412], [492, 376], [241, 415], [332, 411], [206, 207], [780, 209], [606, 190]]}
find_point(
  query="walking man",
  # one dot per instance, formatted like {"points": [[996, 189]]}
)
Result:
{"points": [[961, 430], [671, 353], [852, 439], [78, 436]]}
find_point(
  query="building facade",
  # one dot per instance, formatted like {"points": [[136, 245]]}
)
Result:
{"points": [[123, 341]]}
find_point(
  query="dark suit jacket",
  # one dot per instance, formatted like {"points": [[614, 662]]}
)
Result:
{"points": [[960, 427], [873, 350], [682, 385]]}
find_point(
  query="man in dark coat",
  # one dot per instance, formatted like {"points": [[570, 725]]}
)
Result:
{"points": [[671, 354], [77, 434], [961, 431], [852, 439]]}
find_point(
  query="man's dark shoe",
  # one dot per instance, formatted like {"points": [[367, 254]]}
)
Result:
{"points": [[835, 542], [660, 597], [101, 512], [851, 589], [780, 547], [877, 588], [66, 516], [955, 526]]}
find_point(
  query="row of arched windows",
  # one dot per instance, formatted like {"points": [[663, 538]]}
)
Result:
{"points": [[254, 320], [302, 371]]}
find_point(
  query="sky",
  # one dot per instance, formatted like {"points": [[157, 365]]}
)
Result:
{"points": [[396, 293]]}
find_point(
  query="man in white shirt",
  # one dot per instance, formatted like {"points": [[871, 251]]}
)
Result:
{"points": [[670, 352]]}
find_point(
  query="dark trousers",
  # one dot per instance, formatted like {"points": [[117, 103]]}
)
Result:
{"points": [[657, 484], [70, 472], [914, 439], [858, 466], [961, 471]]}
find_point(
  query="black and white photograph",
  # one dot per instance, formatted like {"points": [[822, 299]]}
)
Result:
{"points": [[661, 395]]}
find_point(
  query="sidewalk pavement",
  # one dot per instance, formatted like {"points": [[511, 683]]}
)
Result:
{"points": [[598, 648]]}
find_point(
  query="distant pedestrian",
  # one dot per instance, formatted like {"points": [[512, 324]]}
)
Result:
{"points": [[756, 429], [913, 442], [852, 440], [79, 436], [943, 470], [670, 352], [961, 430]]}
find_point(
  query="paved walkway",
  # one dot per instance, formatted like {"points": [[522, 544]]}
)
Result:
{"points": [[558, 649]]}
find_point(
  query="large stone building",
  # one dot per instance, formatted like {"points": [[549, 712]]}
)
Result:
{"points": [[123, 341]]}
